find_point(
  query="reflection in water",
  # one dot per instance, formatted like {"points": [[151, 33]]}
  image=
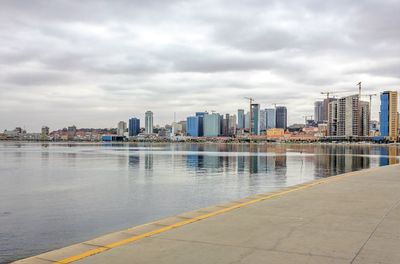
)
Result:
{"points": [[118, 186]]}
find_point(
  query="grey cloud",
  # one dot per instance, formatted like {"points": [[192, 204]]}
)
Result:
{"points": [[110, 60]]}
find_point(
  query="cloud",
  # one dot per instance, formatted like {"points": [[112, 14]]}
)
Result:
{"points": [[94, 63]]}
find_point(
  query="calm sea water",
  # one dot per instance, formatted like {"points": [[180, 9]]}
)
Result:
{"points": [[54, 195]]}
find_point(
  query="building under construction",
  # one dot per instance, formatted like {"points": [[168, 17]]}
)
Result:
{"points": [[348, 117]]}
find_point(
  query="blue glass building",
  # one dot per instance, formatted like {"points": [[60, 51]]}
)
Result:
{"points": [[134, 127], [200, 115], [384, 115], [192, 126]]}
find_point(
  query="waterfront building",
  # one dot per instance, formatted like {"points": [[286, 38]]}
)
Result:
{"points": [[121, 128], [225, 125], [275, 133], [326, 103], [319, 112], [281, 117], [270, 118], [255, 119], [241, 119], [247, 120], [149, 124], [348, 116], [193, 126], [200, 115], [212, 125], [134, 127], [232, 125], [45, 131], [263, 120], [389, 117]]}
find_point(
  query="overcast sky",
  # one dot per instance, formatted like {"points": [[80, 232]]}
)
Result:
{"points": [[94, 63]]}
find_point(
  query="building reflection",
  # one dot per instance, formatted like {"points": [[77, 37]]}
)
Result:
{"points": [[148, 161], [388, 155]]}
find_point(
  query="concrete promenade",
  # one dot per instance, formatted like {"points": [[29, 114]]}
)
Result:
{"points": [[350, 218]]}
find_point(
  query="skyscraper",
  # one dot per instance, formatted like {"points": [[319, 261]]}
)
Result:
{"points": [[200, 115], [133, 127], [241, 121], [193, 126], [325, 108], [121, 128], [149, 122], [348, 116], [270, 118], [255, 119], [212, 125], [247, 120], [388, 116], [281, 117], [319, 112], [263, 120]]}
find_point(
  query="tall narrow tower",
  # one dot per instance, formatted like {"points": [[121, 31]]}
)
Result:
{"points": [[149, 122], [389, 115]]}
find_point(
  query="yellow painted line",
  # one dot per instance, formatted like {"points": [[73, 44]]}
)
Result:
{"points": [[208, 215]]}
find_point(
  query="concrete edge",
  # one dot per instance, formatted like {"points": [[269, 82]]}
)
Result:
{"points": [[106, 242]]}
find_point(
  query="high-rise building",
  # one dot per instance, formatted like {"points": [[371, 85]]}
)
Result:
{"points": [[212, 125], [149, 122], [133, 127], [263, 120], [193, 126], [389, 117], [247, 120], [270, 118], [225, 125], [281, 117], [348, 116], [232, 125], [326, 103], [319, 112], [121, 128], [255, 119], [241, 119], [200, 115], [333, 111]]}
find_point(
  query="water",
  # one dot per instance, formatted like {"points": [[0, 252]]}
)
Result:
{"points": [[54, 195]]}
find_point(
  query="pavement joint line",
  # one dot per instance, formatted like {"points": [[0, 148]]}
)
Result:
{"points": [[165, 228]]}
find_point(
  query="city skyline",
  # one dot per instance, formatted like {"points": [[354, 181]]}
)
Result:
{"points": [[109, 61]]}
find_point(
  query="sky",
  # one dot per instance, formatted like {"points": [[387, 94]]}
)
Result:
{"points": [[94, 63]]}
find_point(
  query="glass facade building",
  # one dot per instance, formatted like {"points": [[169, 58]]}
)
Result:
{"points": [[281, 117], [212, 125], [193, 126], [134, 127], [270, 121], [241, 121], [255, 119], [389, 123]]}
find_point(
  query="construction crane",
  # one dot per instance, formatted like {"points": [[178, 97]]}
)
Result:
{"points": [[251, 100], [328, 93], [370, 102]]}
